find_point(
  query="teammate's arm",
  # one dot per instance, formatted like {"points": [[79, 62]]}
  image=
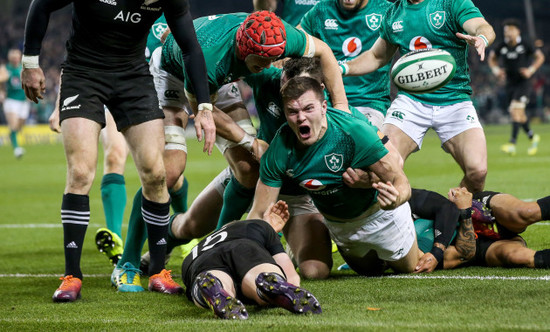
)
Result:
{"points": [[532, 69], [180, 22], [270, 5], [263, 198], [4, 75], [331, 72], [480, 34], [379, 54], [393, 188], [33, 80], [492, 60]]}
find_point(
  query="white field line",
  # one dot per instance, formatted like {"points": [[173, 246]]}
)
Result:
{"points": [[545, 223], [59, 225], [519, 278]]}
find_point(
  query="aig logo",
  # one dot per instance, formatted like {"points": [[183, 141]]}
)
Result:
{"points": [[128, 17], [331, 24]]}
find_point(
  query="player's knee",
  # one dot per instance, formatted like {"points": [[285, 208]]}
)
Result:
{"points": [[115, 160], [313, 269], [80, 177], [152, 177], [476, 178]]}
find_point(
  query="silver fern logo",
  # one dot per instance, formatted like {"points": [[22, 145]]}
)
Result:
{"points": [[68, 101]]}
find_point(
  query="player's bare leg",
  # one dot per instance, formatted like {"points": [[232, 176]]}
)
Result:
{"points": [[469, 149], [400, 141], [310, 243]]}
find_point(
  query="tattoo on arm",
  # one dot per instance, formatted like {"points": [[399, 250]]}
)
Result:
{"points": [[466, 240]]}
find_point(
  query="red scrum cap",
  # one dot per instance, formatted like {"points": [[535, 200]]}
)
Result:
{"points": [[262, 33]]}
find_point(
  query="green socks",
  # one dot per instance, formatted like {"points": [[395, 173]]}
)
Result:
{"points": [[113, 195]]}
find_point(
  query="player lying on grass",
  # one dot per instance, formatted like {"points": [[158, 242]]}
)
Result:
{"points": [[496, 220], [246, 260]]}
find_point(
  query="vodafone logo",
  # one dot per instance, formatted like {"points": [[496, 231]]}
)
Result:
{"points": [[419, 43], [312, 184], [352, 46]]}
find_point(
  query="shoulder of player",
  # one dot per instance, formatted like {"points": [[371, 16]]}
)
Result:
{"points": [[348, 123]]}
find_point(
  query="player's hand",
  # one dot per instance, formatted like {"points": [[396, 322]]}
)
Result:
{"points": [[526, 72], [165, 35], [476, 42], [461, 197], [277, 215], [54, 120], [388, 195], [205, 121], [258, 148], [357, 178], [34, 83], [426, 264]]}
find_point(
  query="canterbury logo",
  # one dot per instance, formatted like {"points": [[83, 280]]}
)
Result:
{"points": [[69, 100], [331, 24]]}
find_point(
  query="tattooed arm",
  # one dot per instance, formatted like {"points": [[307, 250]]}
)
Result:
{"points": [[465, 243]]}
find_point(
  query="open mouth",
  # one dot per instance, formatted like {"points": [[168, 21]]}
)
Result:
{"points": [[305, 132]]}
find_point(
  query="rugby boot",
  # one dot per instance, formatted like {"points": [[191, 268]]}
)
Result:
{"points": [[508, 148], [127, 279], [109, 243], [534, 145], [69, 291], [163, 283], [224, 305], [275, 290]]}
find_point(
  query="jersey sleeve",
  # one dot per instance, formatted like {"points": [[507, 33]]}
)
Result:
{"points": [[296, 41], [384, 30], [368, 145], [38, 19], [273, 163], [464, 10], [308, 21]]}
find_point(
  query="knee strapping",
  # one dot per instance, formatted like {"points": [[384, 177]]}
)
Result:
{"points": [[174, 137]]}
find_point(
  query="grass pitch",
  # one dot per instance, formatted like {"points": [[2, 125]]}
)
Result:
{"points": [[31, 259]]}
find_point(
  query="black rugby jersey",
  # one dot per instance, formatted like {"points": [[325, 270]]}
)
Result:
{"points": [[514, 58]]}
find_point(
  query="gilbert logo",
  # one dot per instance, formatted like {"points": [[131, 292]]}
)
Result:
{"points": [[331, 24]]}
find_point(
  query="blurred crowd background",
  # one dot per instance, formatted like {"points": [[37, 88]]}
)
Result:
{"points": [[489, 96]]}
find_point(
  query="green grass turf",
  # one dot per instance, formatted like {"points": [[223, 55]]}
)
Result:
{"points": [[463, 299]]}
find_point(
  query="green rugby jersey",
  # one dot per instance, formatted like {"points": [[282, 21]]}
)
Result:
{"points": [[153, 39], [433, 24], [294, 10], [348, 35], [216, 35], [318, 168], [13, 84]]}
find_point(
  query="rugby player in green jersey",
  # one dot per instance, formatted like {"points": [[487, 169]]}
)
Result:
{"points": [[237, 46], [449, 25], [293, 10], [16, 105], [349, 27], [313, 151]]}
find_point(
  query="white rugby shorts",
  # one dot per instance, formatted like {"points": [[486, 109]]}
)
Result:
{"points": [[388, 232], [20, 107], [415, 118]]}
